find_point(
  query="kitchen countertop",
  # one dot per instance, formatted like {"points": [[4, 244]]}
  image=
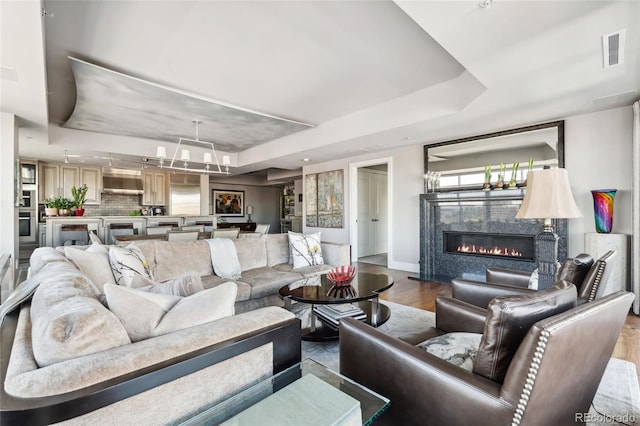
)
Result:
{"points": [[126, 217]]}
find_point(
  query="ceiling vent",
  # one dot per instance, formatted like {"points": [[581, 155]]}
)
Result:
{"points": [[613, 48]]}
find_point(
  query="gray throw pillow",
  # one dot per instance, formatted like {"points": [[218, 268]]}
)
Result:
{"points": [[146, 315], [68, 321], [184, 285]]}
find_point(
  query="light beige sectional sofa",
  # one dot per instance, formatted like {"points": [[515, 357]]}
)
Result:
{"points": [[71, 361], [264, 263]]}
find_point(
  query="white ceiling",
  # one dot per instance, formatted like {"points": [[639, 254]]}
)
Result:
{"points": [[369, 75]]}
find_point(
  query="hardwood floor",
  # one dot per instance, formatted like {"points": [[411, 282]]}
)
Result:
{"points": [[422, 295]]}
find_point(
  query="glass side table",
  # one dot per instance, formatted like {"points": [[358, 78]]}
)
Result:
{"points": [[372, 404]]}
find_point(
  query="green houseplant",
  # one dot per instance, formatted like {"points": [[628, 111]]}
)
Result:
{"points": [[51, 206], [487, 178], [514, 173], [79, 198], [64, 206]]}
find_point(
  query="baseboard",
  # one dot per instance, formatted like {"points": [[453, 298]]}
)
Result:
{"points": [[404, 266]]}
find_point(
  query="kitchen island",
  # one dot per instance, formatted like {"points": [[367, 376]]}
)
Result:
{"points": [[74, 230]]}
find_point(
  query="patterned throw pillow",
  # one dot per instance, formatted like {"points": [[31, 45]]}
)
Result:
{"points": [[305, 249], [457, 348], [127, 262]]}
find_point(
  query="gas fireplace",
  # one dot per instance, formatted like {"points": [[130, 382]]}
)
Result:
{"points": [[465, 232], [514, 247]]}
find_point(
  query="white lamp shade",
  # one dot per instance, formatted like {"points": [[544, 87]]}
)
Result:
{"points": [[249, 209], [207, 158], [161, 152], [186, 156], [226, 160], [548, 196]]}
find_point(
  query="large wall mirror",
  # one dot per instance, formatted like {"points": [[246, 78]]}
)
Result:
{"points": [[461, 164]]}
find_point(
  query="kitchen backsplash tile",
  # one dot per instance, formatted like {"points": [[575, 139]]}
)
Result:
{"points": [[115, 205]]}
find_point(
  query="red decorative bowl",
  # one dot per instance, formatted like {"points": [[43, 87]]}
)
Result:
{"points": [[342, 275]]}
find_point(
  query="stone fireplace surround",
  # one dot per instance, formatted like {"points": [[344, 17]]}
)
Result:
{"points": [[490, 212]]}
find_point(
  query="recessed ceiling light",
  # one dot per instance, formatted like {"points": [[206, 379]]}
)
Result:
{"points": [[408, 138], [485, 4], [306, 159]]}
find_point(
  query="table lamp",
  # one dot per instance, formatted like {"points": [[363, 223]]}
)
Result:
{"points": [[548, 197], [249, 212]]}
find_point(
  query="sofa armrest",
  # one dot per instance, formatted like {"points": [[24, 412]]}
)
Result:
{"points": [[480, 294], [508, 277], [422, 388], [454, 315], [336, 254]]}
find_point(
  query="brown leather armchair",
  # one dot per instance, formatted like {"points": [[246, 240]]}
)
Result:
{"points": [[541, 384], [589, 276]]}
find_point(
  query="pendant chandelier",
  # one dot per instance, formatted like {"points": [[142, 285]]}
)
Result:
{"points": [[185, 156]]}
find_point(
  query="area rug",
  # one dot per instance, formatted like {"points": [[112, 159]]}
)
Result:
{"points": [[617, 401]]}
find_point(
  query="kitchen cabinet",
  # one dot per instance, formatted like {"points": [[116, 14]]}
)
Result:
{"points": [[155, 189], [92, 176], [58, 179]]}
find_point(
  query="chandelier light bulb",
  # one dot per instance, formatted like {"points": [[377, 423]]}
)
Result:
{"points": [[226, 160], [161, 152], [207, 158], [186, 155]]}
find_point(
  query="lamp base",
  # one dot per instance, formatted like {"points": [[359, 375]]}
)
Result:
{"points": [[547, 258]]}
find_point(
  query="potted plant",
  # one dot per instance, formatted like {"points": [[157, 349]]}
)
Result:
{"points": [[51, 206], [529, 170], [501, 174], [64, 206], [487, 178], [79, 198], [514, 172]]}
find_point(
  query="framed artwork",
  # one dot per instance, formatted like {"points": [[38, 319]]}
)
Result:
{"points": [[325, 199], [228, 203], [311, 190]]}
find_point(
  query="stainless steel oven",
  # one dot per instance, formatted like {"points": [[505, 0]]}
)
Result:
{"points": [[28, 198], [27, 226]]}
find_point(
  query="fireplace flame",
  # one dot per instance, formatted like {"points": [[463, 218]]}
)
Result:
{"points": [[495, 251]]}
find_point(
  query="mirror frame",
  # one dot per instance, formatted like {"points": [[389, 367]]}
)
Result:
{"points": [[559, 125]]}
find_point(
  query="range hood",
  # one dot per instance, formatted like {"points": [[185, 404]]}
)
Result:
{"points": [[121, 181]]}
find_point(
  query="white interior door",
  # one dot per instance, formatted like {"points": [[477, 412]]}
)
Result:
{"points": [[372, 212], [365, 218], [380, 220]]}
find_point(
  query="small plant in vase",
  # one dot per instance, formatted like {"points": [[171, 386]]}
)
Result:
{"points": [[529, 170], [514, 172], [487, 178], [79, 198], [501, 174], [51, 206], [64, 206]]}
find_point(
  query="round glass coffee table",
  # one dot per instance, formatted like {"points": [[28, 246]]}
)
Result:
{"points": [[364, 293]]}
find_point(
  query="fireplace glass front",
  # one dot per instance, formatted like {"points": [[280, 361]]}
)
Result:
{"points": [[512, 246]]}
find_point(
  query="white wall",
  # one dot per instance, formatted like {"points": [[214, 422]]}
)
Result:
{"points": [[8, 211], [598, 155], [405, 177]]}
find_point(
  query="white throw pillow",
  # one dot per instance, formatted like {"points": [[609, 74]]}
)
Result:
{"points": [[146, 315], [127, 262], [306, 250], [94, 261]]}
